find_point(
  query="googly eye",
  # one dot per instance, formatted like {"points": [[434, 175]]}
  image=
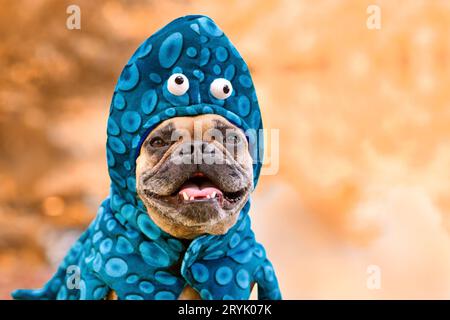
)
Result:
{"points": [[221, 88], [178, 84]]}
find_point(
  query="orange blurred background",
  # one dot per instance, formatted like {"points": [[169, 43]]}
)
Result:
{"points": [[364, 121]]}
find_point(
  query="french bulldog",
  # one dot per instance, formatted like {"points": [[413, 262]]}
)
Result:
{"points": [[194, 175]]}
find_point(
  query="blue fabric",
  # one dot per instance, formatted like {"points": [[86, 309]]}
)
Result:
{"points": [[123, 249]]}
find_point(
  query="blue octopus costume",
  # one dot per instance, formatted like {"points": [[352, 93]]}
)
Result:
{"points": [[123, 249]]}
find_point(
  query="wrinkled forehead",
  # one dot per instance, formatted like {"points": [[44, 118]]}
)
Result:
{"points": [[194, 126]]}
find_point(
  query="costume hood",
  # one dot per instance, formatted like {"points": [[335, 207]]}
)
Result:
{"points": [[123, 249]]}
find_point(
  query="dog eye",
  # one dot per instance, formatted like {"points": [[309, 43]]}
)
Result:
{"points": [[221, 88], [157, 142], [233, 139], [178, 84]]}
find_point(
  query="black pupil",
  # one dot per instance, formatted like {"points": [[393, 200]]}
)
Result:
{"points": [[157, 142], [179, 80], [226, 89], [233, 139]]}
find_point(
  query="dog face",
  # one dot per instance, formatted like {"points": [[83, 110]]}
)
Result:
{"points": [[194, 175]]}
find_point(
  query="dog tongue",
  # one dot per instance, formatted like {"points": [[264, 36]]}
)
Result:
{"points": [[192, 190]]}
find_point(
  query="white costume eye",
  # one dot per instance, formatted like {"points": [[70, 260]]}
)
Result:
{"points": [[221, 88], [178, 84]]}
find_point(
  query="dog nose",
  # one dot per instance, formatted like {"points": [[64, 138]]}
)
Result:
{"points": [[201, 147], [196, 152], [207, 148], [187, 149]]}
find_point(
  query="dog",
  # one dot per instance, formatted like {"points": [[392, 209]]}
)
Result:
{"points": [[205, 192], [183, 155]]}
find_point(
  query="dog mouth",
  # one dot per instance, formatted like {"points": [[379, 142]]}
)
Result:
{"points": [[198, 189]]}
